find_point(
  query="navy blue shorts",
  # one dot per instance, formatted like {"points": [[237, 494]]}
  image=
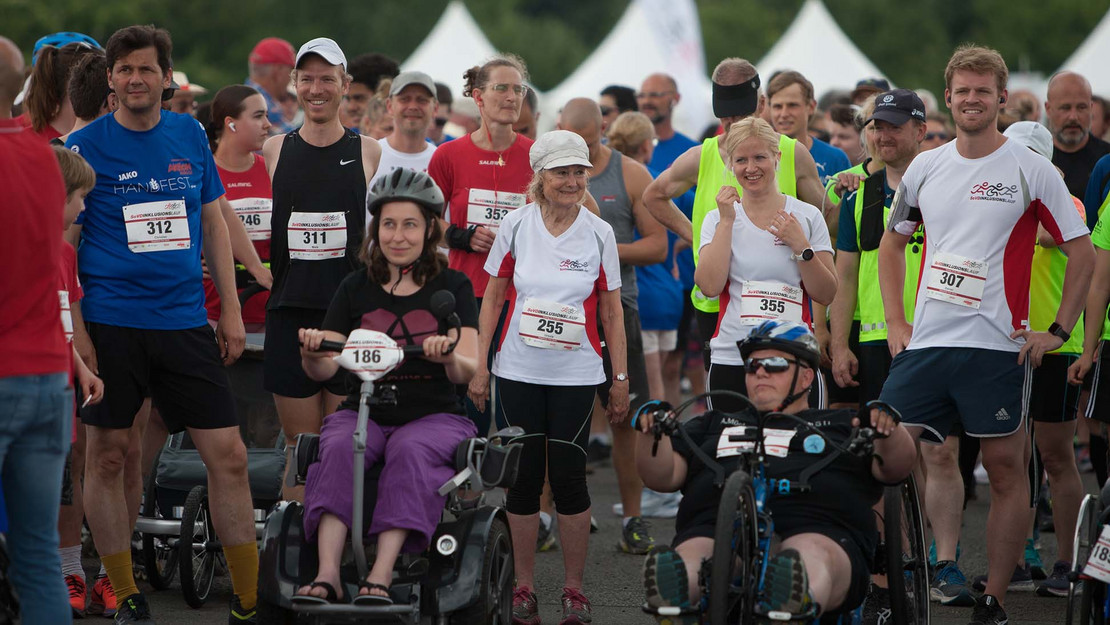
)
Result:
{"points": [[985, 389]]}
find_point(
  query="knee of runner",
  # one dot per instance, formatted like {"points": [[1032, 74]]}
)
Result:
{"points": [[231, 461], [108, 462], [570, 492]]}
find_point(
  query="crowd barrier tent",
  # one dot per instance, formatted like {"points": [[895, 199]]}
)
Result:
{"points": [[454, 45]]}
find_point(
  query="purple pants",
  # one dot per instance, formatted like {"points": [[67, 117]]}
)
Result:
{"points": [[419, 458]]}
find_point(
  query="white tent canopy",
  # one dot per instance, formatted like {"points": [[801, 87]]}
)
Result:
{"points": [[455, 44], [652, 36], [1090, 58], [816, 46]]}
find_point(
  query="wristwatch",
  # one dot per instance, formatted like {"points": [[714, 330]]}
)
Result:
{"points": [[806, 255], [620, 377], [1059, 331]]}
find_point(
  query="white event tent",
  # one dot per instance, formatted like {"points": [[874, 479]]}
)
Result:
{"points": [[816, 46], [1090, 58], [455, 44], [652, 36]]}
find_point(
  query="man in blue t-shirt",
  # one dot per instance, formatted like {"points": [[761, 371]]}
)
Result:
{"points": [[657, 98], [792, 105], [155, 207]]}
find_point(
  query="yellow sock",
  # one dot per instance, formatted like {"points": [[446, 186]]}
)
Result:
{"points": [[242, 564], [120, 573]]}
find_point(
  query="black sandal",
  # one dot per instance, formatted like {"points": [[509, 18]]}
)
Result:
{"points": [[369, 599], [330, 597]]}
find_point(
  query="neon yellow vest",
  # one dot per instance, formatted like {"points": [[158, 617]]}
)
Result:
{"points": [[711, 177], [869, 298]]}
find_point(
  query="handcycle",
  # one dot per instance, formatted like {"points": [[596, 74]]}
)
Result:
{"points": [[1088, 600], [744, 528], [465, 576]]}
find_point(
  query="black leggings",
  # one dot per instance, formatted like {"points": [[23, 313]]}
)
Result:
{"points": [[556, 422]]}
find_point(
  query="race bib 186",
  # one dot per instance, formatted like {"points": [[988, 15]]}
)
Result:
{"points": [[762, 301], [156, 226], [487, 208], [255, 213], [956, 279], [317, 236], [551, 325]]}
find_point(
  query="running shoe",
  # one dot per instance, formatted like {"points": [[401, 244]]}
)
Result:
{"points": [[1020, 581], [987, 611], [78, 594], [666, 585], [133, 609], [526, 609], [786, 587], [933, 554], [876, 607], [545, 538], [654, 504], [1033, 560], [102, 599], [1057, 584], [239, 616], [636, 537], [949, 586], [576, 608]]}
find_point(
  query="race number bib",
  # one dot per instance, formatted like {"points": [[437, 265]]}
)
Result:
{"points": [[487, 208], [956, 280], [156, 226], [67, 316], [551, 325], [1098, 563], [370, 355], [762, 301], [317, 236], [255, 213], [775, 442]]}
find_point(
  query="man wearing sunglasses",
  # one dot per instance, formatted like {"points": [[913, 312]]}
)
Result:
{"points": [[827, 533]]}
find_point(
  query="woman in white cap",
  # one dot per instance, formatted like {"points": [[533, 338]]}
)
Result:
{"points": [[561, 261]]}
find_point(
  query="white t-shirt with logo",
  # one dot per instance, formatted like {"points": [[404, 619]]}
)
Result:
{"points": [[981, 217], [552, 336], [764, 282], [393, 159]]}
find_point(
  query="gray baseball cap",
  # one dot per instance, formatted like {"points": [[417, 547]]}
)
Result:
{"points": [[405, 79]]}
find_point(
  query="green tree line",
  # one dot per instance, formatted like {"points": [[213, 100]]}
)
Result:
{"points": [[910, 42]]}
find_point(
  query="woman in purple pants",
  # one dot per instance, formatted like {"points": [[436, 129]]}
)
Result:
{"points": [[417, 437]]}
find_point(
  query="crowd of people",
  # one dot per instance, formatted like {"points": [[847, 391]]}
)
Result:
{"points": [[812, 254]]}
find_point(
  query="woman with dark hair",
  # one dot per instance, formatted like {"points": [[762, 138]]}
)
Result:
{"points": [[417, 437], [236, 131], [49, 112]]}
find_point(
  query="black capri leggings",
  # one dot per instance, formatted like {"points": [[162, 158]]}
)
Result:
{"points": [[556, 422]]}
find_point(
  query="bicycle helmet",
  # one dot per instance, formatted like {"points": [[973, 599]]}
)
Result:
{"points": [[408, 185], [61, 39], [788, 336]]}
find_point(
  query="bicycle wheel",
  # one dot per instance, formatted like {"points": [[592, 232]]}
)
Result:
{"points": [[198, 549], [159, 557], [907, 558], [1084, 594], [734, 569]]}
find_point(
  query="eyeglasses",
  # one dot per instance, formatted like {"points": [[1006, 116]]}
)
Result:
{"points": [[503, 87], [772, 364], [943, 136], [652, 94], [607, 110]]}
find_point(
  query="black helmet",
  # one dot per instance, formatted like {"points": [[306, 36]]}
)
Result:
{"points": [[788, 336], [405, 184]]}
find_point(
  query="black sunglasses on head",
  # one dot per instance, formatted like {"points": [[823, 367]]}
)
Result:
{"points": [[771, 364]]}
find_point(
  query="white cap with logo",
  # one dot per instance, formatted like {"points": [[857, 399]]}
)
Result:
{"points": [[326, 48], [559, 148]]}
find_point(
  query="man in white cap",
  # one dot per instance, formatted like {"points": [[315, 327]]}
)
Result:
{"points": [[413, 106], [320, 174]]}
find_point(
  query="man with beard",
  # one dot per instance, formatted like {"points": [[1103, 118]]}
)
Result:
{"points": [[413, 106], [657, 98], [1076, 150]]}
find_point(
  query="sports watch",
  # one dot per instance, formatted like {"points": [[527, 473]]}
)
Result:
{"points": [[806, 255], [620, 377], [1058, 330]]}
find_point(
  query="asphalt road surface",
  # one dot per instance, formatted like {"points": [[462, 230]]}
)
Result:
{"points": [[613, 579]]}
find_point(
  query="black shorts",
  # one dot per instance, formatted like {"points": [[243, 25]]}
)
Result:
{"points": [[707, 327], [874, 366], [1098, 406], [851, 394], [282, 373], [1052, 399], [180, 370], [686, 328], [638, 393]]}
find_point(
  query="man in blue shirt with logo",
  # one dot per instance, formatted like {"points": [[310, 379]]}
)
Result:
{"points": [[154, 208], [792, 105]]}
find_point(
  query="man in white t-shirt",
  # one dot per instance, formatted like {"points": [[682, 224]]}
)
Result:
{"points": [[412, 104], [982, 199]]}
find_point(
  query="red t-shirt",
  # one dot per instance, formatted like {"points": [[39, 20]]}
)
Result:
{"points": [[31, 337], [250, 195], [47, 133], [480, 187]]}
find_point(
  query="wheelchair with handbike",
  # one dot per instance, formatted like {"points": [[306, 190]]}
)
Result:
{"points": [[734, 582], [465, 576], [1088, 600]]}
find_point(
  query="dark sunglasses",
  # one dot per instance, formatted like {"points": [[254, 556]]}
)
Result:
{"points": [[606, 110], [943, 136], [772, 364]]}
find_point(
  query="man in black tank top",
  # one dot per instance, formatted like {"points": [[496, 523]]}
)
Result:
{"points": [[319, 175]]}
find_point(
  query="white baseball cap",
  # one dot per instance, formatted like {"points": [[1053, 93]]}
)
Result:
{"points": [[1032, 135], [326, 48], [559, 148]]}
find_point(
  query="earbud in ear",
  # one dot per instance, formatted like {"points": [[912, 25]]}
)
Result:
{"points": [[231, 125], [1001, 100]]}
